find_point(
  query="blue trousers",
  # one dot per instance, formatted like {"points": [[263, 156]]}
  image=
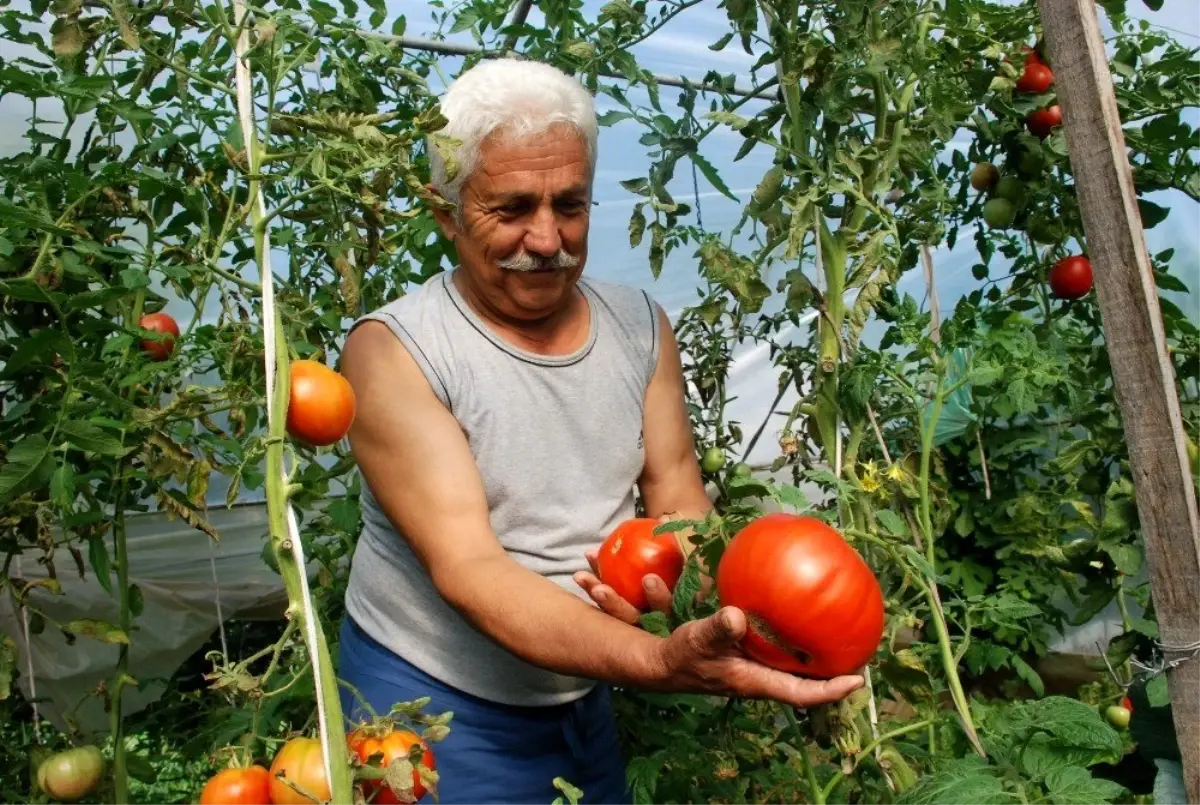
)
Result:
{"points": [[495, 753]]}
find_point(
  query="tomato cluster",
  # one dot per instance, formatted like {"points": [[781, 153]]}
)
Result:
{"points": [[1036, 78], [297, 773], [813, 605]]}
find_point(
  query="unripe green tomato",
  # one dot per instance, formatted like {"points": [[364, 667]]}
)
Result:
{"points": [[1011, 188], [71, 775], [1118, 716], [999, 213], [741, 470], [713, 460], [1193, 452]]}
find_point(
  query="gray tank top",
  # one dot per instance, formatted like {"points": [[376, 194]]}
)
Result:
{"points": [[558, 443]]}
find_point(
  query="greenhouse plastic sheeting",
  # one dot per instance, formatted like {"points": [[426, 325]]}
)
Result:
{"points": [[170, 563]]}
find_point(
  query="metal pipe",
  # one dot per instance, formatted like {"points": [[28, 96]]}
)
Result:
{"points": [[451, 49], [518, 19]]}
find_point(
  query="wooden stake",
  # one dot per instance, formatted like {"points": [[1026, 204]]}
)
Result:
{"points": [[1142, 373]]}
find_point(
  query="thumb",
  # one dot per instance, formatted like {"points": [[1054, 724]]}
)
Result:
{"points": [[722, 630]]}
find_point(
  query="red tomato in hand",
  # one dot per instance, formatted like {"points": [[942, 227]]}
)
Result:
{"points": [[1071, 277], [321, 406], [302, 762], [392, 746], [813, 605], [235, 786], [1043, 121], [1035, 79], [633, 551], [159, 323]]}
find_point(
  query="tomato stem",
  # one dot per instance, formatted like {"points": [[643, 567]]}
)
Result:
{"points": [[814, 787]]}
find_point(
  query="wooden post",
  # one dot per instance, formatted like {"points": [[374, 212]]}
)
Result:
{"points": [[1137, 347]]}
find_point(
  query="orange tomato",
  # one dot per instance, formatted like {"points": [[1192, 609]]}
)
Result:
{"points": [[394, 745], [160, 323], [321, 404], [301, 762], [237, 786]]}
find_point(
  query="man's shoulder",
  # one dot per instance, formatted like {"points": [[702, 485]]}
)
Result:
{"points": [[417, 306]]}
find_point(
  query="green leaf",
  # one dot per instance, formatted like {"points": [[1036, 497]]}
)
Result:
{"points": [[613, 118], [98, 559], [29, 465], [465, 20], [686, 590], [919, 562], [710, 173], [893, 522], [86, 436], [655, 623], [1076, 786], [1158, 692], [1026, 672], [961, 780], [790, 496], [98, 630], [62, 485], [1074, 724]]}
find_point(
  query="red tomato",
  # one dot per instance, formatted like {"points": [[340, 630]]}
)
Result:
{"points": [[321, 406], [159, 323], [1035, 79], [392, 746], [1071, 277], [1127, 704], [236, 786], [1043, 121], [814, 607], [633, 551], [302, 762]]}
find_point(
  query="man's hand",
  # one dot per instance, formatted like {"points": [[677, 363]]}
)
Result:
{"points": [[703, 656], [658, 595]]}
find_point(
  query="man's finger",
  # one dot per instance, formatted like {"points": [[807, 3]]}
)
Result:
{"points": [[593, 558], [719, 632], [658, 595], [798, 691]]}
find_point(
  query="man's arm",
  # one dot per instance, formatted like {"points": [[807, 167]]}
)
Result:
{"points": [[416, 459], [670, 483]]}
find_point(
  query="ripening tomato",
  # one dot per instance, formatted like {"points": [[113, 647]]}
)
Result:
{"points": [[238, 786], [159, 322], [1043, 121], [321, 406], [633, 551], [1035, 79], [984, 176], [393, 745], [812, 604], [71, 774], [1071, 277], [301, 761]]}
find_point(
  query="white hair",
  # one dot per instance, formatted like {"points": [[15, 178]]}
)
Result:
{"points": [[511, 98]]}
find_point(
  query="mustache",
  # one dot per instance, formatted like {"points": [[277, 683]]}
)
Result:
{"points": [[524, 261]]}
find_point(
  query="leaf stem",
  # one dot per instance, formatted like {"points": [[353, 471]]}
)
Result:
{"points": [[810, 774]]}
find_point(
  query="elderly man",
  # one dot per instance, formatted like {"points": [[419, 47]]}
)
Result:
{"points": [[506, 412]]}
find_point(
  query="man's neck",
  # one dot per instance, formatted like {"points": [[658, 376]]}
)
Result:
{"points": [[560, 332]]}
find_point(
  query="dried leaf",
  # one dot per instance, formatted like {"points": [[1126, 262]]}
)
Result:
{"points": [[98, 630], [174, 507]]}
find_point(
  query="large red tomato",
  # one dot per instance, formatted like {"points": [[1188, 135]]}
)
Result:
{"points": [[236, 786], [1043, 121], [814, 607], [393, 745], [1035, 79], [321, 406], [633, 551], [159, 323], [302, 762], [1071, 277]]}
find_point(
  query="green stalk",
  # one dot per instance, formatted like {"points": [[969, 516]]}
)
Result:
{"points": [[945, 648], [814, 787]]}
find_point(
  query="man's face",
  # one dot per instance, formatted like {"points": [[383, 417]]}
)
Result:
{"points": [[526, 204]]}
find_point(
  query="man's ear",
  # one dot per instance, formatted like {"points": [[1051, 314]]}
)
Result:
{"points": [[445, 218]]}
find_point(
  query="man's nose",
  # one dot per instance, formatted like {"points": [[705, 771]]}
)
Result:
{"points": [[542, 237]]}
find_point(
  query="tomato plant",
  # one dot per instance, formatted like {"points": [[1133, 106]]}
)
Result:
{"points": [[238, 786], [1071, 277], [396, 744], [298, 773], [633, 551], [813, 605], [321, 406]]}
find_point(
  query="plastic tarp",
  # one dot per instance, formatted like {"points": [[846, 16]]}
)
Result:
{"points": [[174, 567]]}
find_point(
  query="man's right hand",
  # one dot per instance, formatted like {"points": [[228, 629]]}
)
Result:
{"points": [[704, 656]]}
